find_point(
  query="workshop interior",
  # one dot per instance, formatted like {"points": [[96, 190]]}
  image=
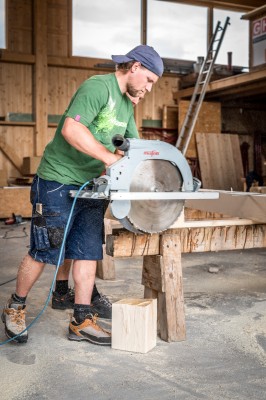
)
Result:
{"points": [[185, 227]]}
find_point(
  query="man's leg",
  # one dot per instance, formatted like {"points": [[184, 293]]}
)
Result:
{"points": [[63, 296], [13, 314], [64, 270], [84, 273], [28, 273], [84, 324]]}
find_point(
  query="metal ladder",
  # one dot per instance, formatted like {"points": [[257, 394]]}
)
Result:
{"points": [[200, 87]]}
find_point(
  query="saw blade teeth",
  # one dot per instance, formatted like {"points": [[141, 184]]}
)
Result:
{"points": [[143, 230], [154, 216]]}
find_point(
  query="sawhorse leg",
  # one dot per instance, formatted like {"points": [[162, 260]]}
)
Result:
{"points": [[162, 279]]}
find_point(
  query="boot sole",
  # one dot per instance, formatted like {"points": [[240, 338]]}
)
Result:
{"points": [[76, 338], [62, 307]]}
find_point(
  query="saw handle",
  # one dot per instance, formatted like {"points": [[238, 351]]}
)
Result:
{"points": [[120, 142]]}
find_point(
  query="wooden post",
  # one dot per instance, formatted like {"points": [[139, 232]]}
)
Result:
{"points": [[162, 279], [106, 267], [40, 95], [171, 301]]}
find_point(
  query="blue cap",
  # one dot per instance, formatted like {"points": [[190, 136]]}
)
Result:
{"points": [[146, 55]]}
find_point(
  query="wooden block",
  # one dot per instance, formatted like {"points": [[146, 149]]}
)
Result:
{"points": [[15, 200], [134, 325], [30, 165]]}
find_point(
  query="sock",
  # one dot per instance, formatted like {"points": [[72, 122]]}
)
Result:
{"points": [[95, 293], [81, 311], [18, 299], [61, 287]]}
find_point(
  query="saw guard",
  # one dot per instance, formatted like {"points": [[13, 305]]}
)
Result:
{"points": [[121, 175]]}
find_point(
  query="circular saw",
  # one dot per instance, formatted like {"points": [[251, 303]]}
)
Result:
{"points": [[147, 187]]}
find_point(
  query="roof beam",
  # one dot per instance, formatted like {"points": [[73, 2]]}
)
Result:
{"points": [[219, 86], [233, 5]]}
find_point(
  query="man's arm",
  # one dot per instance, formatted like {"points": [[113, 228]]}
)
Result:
{"points": [[83, 140]]}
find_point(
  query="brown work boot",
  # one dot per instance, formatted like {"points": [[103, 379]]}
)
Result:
{"points": [[13, 317], [89, 330]]}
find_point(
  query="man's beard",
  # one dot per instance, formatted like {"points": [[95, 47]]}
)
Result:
{"points": [[133, 92]]}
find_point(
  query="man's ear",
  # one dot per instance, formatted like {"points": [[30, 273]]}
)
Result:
{"points": [[135, 66]]}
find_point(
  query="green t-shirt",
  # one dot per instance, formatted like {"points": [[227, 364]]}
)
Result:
{"points": [[105, 111]]}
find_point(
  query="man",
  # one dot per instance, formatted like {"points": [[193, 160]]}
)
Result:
{"points": [[64, 296], [80, 151]]}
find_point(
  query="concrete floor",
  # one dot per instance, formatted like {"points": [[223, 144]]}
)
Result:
{"points": [[223, 357]]}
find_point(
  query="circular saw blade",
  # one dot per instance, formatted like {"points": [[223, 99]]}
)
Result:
{"points": [[154, 215]]}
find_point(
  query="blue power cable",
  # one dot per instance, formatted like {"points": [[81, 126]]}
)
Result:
{"points": [[57, 267]]}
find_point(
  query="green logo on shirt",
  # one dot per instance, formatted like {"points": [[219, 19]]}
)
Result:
{"points": [[106, 119]]}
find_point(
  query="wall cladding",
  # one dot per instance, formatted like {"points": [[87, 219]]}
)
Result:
{"points": [[19, 22], [15, 88]]}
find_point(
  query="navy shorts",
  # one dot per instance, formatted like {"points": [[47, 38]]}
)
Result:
{"points": [[51, 209]]}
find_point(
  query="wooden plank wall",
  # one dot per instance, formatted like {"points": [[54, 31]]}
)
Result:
{"points": [[38, 76]]}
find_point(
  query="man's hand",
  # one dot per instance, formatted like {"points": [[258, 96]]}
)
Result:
{"points": [[113, 158]]}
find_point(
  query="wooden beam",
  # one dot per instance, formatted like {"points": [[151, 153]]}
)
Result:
{"points": [[80, 62], [230, 82], [40, 87], [133, 245], [257, 12], [252, 89], [144, 21], [216, 238], [242, 5], [18, 58]]}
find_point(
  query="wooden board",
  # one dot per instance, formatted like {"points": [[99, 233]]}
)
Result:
{"points": [[208, 121], [15, 200], [220, 161], [236, 204]]}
